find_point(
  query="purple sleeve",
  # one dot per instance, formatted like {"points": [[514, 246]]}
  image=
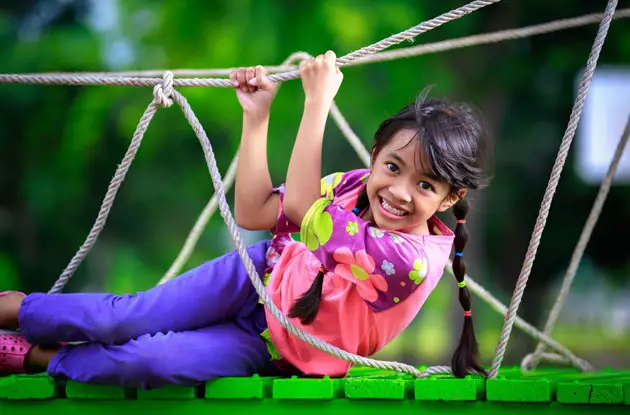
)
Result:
{"points": [[284, 224], [334, 183], [386, 267]]}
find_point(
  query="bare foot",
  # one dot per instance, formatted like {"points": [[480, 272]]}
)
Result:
{"points": [[9, 307], [38, 358]]}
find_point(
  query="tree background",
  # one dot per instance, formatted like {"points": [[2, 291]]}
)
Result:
{"points": [[60, 145]]}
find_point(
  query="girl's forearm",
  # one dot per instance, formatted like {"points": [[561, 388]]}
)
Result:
{"points": [[305, 166], [253, 189]]}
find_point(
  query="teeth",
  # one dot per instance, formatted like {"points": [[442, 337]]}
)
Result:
{"points": [[392, 209]]}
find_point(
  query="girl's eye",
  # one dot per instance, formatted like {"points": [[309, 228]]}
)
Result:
{"points": [[425, 185], [392, 167]]}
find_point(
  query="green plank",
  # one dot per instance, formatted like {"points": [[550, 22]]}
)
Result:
{"points": [[239, 388], [167, 392], [366, 388], [518, 390], [449, 389], [27, 387], [77, 390], [297, 388]]}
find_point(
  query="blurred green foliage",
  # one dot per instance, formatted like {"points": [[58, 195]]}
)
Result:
{"points": [[60, 145]]}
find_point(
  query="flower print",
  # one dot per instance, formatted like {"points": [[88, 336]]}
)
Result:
{"points": [[352, 227], [396, 300], [359, 269], [397, 239], [388, 267], [375, 232], [419, 270], [328, 183], [365, 177], [272, 256], [318, 229]]}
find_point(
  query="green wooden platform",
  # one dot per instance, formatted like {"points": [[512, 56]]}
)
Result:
{"points": [[366, 390]]}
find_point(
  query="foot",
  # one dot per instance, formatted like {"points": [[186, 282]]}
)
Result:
{"points": [[9, 306]]}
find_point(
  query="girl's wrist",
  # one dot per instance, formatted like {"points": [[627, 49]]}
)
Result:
{"points": [[317, 102], [256, 116]]}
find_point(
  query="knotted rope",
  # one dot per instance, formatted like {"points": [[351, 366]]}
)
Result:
{"points": [[164, 94]]}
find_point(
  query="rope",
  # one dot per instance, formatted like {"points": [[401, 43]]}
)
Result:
{"points": [[251, 269], [551, 187], [115, 183], [409, 34], [163, 96], [496, 305], [475, 287], [530, 361], [441, 46], [163, 93]]}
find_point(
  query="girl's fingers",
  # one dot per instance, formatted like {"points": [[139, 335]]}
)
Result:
{"points": [[250, 73], [240, 78], [233, 77]]}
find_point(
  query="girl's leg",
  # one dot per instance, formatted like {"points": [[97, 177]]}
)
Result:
{"points": [[212, 293], [183, 358]]}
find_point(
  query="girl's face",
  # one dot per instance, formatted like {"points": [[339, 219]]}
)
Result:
{"points": [[402, 195]]}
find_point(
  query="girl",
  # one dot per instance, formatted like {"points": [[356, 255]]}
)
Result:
{"points": [[371, 252]]}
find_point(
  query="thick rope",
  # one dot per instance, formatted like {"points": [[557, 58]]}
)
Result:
{"points": [[162, 91], [427, 48], [530, 361], [476, 288], [527, 328], [409, 34], [160, 99], [251, 269], [551, 187]]}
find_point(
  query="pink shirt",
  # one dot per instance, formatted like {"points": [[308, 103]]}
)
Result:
{"points": [[376, 284]]}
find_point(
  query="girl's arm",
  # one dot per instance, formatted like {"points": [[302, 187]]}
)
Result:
{"points": [[321, 80], [255, 206]]}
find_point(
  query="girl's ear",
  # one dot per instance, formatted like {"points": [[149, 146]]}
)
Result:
{"points": [[451, 199]]}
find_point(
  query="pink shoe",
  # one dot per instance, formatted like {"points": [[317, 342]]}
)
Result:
{"points": [[13, 348], [13, 351]]}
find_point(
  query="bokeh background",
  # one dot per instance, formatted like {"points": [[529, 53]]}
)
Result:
{"points": [[60, 145]]}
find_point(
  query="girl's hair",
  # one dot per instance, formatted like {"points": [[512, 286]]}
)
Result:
{"points": [[452, 147]]}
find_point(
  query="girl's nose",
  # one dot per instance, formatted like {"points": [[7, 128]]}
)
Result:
{"points": [[400, 192]]}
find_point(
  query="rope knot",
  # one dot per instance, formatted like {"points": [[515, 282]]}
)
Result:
{"points": [[162, 92]]}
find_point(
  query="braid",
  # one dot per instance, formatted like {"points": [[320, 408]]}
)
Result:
{"points": [[307, 306], [466, 355]]}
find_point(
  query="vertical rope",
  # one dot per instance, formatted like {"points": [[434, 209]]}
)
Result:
{"points": [[551, 186], [530, 361]]}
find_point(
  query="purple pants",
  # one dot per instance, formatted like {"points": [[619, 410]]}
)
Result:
{"points": [[204, 324]]}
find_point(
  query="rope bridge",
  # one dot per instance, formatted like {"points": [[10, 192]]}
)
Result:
{"points": [[165, 95]]}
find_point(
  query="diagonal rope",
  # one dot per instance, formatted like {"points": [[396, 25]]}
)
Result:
{"points": [[427, 48], [253, 274], [531, 360], [211, 206], [409, 34], [476, 288], [551, 187], [162, 91], [161, 98], [527, 328]]}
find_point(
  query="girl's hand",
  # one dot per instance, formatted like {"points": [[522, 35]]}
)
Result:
{"points": [[255, 92], [321, 78]]}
